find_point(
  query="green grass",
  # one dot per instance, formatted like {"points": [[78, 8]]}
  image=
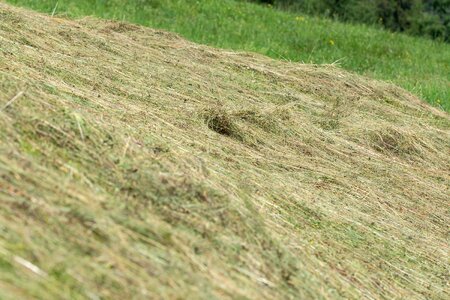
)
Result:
{"points": [[418, 65]]}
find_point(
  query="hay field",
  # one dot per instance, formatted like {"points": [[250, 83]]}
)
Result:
{"points": [[137, 165], [419, 65]]}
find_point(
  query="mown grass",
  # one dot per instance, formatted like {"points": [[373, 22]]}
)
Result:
{"points": [[420, 65], [137, 165]]}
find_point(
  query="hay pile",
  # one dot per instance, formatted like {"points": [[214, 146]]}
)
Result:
{"points": [[135, 164]]}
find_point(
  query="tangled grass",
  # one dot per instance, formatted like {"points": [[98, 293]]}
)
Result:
{"points": [[136, 164]]}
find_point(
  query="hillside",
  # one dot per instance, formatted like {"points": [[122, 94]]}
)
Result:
{"points": [[419, 65], [135, 164]]}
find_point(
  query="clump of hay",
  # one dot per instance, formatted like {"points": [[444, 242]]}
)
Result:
{"points": [[395, 141], [222, 122]]}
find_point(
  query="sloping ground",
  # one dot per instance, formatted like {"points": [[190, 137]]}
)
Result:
{"points": [[136, 165]]}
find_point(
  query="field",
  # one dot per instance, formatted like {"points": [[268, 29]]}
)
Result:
{"points": [[135, 164], [419, 65]]}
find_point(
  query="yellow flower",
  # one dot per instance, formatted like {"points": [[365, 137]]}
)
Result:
{"points": [[331, 42], [300, 19]]}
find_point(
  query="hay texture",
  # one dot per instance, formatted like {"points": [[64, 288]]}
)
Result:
{"points": [[137, 165]]}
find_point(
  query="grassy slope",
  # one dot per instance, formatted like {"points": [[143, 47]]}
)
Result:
{"points": [[419, 65], [139, 164]]}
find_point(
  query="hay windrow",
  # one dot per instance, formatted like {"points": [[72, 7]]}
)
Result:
{"points": [[136, 164]]}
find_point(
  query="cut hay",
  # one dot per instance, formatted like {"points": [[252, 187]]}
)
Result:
{"points": [[138, 165]]}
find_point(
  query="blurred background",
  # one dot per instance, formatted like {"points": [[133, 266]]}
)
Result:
{"points": [[429, 18]]}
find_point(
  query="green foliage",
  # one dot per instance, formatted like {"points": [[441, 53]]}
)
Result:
{"points": [[418, 17], [417, 64]]}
